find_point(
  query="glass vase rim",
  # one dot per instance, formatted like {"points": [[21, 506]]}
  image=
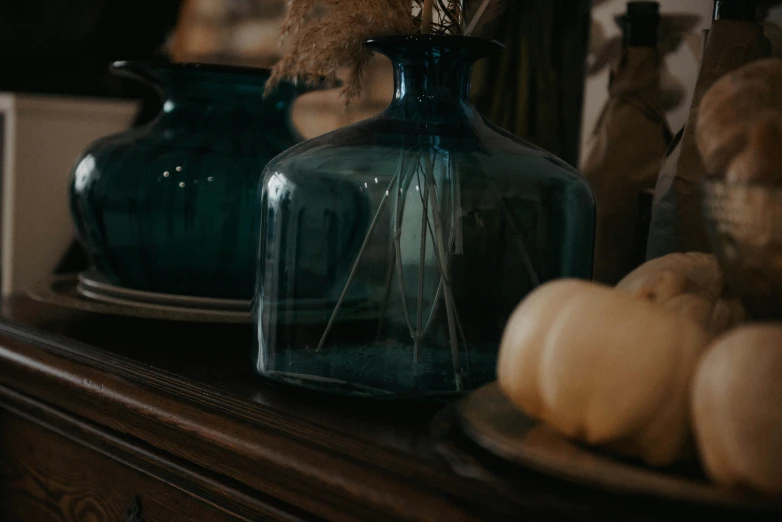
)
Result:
{"points": [[483, 46], [142, 65], [144, 70]]}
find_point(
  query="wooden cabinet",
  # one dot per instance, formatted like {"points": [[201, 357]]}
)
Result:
{"points": [[48, 475], [111, 419]]}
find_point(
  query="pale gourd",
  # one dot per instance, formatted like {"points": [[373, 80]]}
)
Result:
{"points": [[691, 285], [715, 315], [664, 278], [603, 367], [737, 409]]}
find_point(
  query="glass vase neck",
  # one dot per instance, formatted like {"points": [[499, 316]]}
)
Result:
{"points": [[432, 74]]}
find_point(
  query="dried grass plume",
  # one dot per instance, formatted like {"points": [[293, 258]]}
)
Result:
{"points": [[329, 35]]}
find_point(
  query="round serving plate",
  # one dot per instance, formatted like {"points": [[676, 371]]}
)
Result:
{"points": [[490, 420], [94, 286], [65, 291]]}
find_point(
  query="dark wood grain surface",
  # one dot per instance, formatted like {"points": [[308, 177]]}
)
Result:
{"points": [[182, 404], [46, 477]]}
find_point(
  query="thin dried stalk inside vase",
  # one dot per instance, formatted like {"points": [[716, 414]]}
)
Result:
{"points": [[355, 265], [417, 164], [442, 256], [421, 274], [427, 15]]}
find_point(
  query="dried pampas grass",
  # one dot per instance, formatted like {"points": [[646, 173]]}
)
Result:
{"points": [[329, 35]]}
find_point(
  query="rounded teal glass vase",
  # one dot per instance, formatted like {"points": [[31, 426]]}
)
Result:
{"points": [[393, 251], [171, 206]]}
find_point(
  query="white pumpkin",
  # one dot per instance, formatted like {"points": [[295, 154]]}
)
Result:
{"points": [[737, 409], [659, 280], [691, 285], [603, 367], [715, 315]]}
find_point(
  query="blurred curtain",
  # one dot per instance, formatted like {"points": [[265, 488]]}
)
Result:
{"points": [[535, 89]]}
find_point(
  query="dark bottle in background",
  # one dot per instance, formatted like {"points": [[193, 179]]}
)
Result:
{"points": [[629, 144], [641, 24]]}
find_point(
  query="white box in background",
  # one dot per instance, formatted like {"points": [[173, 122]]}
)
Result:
{"points": [[41, 137]]}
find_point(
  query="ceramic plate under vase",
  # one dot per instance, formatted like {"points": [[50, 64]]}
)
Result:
{"points": [[95, 286], [491, 421], [88, 294]]}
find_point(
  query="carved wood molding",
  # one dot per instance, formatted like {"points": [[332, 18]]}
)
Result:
{"points": [[200, 483], [296, 462]]}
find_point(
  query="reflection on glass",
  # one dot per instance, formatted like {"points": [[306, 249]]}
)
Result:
{"points": [[393, 251]]}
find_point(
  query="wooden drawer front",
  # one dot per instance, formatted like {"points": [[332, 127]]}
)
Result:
{"points": [[47, 477]]}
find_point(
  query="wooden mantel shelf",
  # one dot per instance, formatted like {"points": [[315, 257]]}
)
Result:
{"points": [[107, 418]]}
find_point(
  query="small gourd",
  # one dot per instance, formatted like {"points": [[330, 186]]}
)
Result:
{"points": [[692, 285], [664, 278], [737, 409], [604, 367]]}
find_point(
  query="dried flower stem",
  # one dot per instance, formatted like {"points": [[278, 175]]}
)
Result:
{"points": [[440, 250], [421, 265], [427, 16], [421, 168], [404, 182], [355, 265]]}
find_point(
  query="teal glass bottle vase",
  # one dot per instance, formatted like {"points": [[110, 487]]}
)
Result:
{"points": [[171, 206], [393, 251]]}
